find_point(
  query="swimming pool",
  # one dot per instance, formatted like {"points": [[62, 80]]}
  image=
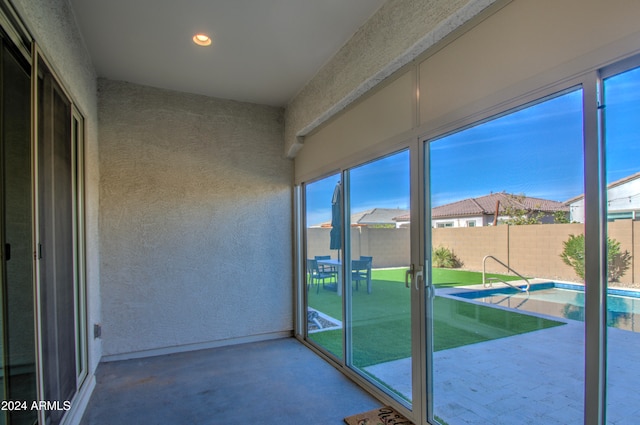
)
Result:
{"points": [[563, 300]]}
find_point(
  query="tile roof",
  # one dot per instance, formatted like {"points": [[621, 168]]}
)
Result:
{"points": [[486, 205]]}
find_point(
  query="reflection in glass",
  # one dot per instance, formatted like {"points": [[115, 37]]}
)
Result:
{"points": [[499, 352]]}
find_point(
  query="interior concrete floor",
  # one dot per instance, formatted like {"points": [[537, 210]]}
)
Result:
{"points": [[270, 382]]}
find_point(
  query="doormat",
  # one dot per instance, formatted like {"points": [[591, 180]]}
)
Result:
{"points": [[383, 416]]}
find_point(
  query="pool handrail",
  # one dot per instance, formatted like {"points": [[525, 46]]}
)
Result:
{"points": [[484, 282]]}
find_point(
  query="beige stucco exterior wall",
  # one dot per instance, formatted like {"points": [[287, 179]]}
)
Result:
{"points": [[195, 218]]}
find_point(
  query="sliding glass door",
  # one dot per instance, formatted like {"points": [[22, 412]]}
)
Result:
{"points": [[378, 298], [17, 339], [42, 296], [525, 223], [621, 93], [359, 278], [506, 328], [60, 235]]}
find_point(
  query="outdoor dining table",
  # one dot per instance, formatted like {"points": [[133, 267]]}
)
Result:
{"points": [[338, 265]]}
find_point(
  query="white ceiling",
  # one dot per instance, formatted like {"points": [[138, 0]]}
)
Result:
{"points": [[263, 51]]}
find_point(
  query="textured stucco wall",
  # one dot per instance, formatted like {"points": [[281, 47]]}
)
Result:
{"points": [[395, 35], [53, 26], [196, 205]]}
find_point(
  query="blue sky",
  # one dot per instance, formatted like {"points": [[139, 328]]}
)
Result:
{"points": [[622, 112], [536, 151]]}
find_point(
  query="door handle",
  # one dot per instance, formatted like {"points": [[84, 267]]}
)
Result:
{"points": [[415, 275], [419, 277], [409, 272]]}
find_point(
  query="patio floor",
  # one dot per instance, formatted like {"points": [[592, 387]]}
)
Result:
{"points": [[534, 378], [537, 377], [271, 382]]}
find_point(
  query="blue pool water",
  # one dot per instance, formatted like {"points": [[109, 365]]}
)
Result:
{"points": [[563, 300]]}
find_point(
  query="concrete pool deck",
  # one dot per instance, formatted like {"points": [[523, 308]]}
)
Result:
{"points": [[537, 377]]}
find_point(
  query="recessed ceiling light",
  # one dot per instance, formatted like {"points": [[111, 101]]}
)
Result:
{"points": [[202, 40]]}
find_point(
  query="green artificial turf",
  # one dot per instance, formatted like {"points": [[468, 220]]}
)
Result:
{"points": [[452, 277], [381, 322]]}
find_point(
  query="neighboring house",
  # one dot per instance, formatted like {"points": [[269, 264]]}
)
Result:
{"points": [[482, 211], [623, 201], [474, 212], [373, 217], [403, 220]]}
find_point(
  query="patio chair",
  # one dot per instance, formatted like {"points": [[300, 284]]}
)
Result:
{"points": [[361, 271], [315, 275]]}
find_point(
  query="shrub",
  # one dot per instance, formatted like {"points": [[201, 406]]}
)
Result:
{"points": [[560, 217], [443, 257], [573, 254], [617, 262]]}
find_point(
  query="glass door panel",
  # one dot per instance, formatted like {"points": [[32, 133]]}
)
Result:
{"points": [[379, 302], [18, 344], [323, 264], [505, 330], [622, 138], [57, 257]]}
